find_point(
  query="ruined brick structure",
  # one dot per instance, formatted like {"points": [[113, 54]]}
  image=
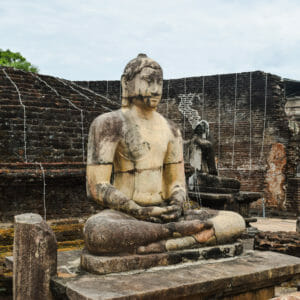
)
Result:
{"points": [[43, 135], [45, 122], [250, 129]]}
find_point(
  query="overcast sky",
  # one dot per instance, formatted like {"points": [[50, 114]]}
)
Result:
{"points": [[94, 39]]}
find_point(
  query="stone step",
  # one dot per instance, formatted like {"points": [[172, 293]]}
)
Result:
{"points": [[248, 197], [113, 264], [214, 197]]}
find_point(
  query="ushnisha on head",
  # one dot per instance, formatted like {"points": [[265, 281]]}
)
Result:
{"points": [[142, 79]]}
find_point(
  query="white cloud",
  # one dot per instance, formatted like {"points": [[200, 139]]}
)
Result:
{"points": [[94, 39]]}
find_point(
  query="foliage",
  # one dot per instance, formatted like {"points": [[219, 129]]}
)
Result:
{"points": [[16, 60]]}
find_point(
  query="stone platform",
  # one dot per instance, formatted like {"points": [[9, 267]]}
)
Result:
{"points": [[121, 263], [252, 275]]}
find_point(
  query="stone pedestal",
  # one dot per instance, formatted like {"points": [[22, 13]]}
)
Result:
{"points": [[222, 193], [122, 263], [35, 257]]}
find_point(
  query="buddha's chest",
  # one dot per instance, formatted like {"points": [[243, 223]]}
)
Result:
{"points": [[141, 140]]}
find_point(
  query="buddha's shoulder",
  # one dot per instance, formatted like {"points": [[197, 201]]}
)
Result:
{"points": [[110, 119], [171, 125]]}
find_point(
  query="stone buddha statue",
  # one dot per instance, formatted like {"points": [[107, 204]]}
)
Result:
{"points": [[201, 151], [135, 170]]}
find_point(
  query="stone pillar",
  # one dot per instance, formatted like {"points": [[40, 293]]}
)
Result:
{"points": [[35, 258]]}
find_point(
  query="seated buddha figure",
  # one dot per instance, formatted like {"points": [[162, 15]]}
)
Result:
{"points": [[135, 170]]}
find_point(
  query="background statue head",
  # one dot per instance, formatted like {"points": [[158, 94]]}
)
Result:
{"points": [[142, 79], [202, 128]]}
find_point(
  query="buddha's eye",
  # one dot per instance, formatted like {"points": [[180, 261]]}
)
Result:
{"points": [[147, 79]]}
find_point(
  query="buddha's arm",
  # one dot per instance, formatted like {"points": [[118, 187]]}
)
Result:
{"points": [[103, 140], [173, 172], [175, 182], [100, 189]]}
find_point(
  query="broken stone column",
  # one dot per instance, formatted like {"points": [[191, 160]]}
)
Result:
{"points": [[35, 258]]}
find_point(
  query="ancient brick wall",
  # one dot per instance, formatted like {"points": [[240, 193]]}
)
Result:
{"points": [[43, 135], [248, 124], [45, 121]]}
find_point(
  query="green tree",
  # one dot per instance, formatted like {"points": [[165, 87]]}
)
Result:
{"points": [[16, 60]]}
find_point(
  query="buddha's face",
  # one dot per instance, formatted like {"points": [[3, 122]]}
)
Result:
{"points": [[147, 86]]}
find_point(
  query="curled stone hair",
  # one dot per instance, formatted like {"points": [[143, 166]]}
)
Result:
{"points": [[134, 67]]}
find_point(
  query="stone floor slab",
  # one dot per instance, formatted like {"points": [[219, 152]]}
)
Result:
{"points": [[252, 271]]}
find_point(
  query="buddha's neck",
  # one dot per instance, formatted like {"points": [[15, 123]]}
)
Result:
{"points": [[142, 112]]}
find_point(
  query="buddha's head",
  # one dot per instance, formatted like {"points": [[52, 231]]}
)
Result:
{"points": [[142, 80]]}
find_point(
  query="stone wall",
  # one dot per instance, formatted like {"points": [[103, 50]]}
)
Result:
{"points": [[249, 127], [45, 121], [43, 136]]}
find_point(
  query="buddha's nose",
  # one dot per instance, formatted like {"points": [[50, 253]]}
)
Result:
{"points": [[154, 89]]}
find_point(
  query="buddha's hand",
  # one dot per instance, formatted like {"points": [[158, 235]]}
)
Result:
{"points": [[176, 202], [156, 214], [177, 198]]}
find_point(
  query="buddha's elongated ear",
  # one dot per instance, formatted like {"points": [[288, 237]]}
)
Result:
{"points": [[125, 101]]}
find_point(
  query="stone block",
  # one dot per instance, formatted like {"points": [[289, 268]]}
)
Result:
{"points": [[122, 263], [253, 274]]}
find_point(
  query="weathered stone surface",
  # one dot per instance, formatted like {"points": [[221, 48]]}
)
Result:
{"points": [[35, 258], [217, 199], [290, 296], [293, 190], [114, 264], [275, 178], [68, 262], [253, 271], [281, 241], [248, 197]]}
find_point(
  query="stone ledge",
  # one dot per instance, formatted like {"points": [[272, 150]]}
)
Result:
{"points": [[253, 271], [113, 264]]}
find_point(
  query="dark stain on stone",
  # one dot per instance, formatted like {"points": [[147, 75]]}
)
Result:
{"points": [[112, 126], [174, 258], [191, 255], [135, 170], [238, 249], [173, 163], [213, 253]]}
